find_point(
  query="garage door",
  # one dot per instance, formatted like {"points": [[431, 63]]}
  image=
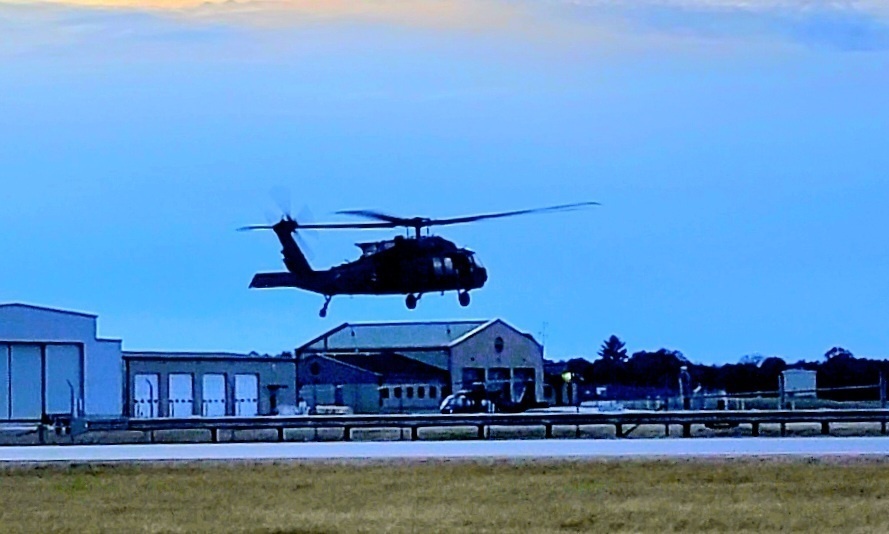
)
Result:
{"points": [[213, 395], [181, 396], [63, 379], [246, 395], [4, 382], [38, 379], [145, 396], [26, 375]]}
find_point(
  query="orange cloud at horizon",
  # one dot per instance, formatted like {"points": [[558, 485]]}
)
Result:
{"points": [[460, 13]]}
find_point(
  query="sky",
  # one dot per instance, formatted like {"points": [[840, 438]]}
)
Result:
{"points": [[738, 149]]}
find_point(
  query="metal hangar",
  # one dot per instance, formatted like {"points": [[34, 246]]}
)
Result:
{"points": [[411, 366], [52, 363]]}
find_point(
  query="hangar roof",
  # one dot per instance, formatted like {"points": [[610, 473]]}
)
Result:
{"points": [[400, 336], [406, 335], [44, 308]]}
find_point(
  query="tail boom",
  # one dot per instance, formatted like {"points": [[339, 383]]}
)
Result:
{"points": [[270, 280]]}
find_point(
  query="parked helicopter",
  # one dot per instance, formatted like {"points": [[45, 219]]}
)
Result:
{"points": [[412, 265]]}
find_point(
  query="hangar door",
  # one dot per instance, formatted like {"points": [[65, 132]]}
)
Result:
{"points": [[146, 396], [213, 395], [181, 395], [246, 395], [38, 379]]}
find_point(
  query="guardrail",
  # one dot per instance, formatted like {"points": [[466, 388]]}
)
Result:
{"points": [[623, 422]]}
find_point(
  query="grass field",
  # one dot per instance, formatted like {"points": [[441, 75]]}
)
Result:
{"points": [[496, 496]]}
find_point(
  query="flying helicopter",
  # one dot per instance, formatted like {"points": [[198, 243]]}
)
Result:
{"points": [[410, 265]]}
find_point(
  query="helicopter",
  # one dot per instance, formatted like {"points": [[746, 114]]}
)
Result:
{"points": [[410, 265]]}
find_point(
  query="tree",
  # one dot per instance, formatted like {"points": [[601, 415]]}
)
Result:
{"points": [[613, 350], [658, 369], [751, 359], [837, 352]]}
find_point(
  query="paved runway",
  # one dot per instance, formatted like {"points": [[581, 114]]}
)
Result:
{"points": [[710, 447]]}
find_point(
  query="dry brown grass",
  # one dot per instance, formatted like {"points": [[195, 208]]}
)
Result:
{"points": [[487, 496]]}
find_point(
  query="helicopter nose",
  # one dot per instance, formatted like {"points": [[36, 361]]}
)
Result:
{"points": [[481, 276]]}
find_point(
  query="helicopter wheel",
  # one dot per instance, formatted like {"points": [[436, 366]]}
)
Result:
{"points": [[323, 312], [464, 298], [411, 302]]}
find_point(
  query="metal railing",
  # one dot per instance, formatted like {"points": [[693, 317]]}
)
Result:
{"points": [[619, 420]]}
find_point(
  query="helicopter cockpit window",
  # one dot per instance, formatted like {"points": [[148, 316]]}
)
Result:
{"points": [[436, 266], [448, 265], [475, 261]]}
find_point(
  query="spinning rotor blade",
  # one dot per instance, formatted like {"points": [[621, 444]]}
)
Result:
{"points": [[472, 218], [281, 196], [346, 226], [371, 214], [325, 226], [418, 222], [254, 227], [391, 221]]}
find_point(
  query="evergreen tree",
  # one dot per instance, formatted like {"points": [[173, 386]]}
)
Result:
{"points": [[613, 350]]}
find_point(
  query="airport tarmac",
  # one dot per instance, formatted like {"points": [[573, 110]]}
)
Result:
{"points": [[512, 449]]}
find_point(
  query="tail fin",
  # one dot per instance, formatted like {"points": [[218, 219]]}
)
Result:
{"points": [[294, 259]]}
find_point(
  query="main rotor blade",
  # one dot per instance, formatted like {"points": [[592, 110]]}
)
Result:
{"points": [[347, 226], [423, 222], [372, 214], [330, 226], [472, 218], [254, 227]]}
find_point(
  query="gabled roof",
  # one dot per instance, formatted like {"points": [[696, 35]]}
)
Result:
{"points": [[45, 309], [392, 335], [392, 366], [486, 325]]}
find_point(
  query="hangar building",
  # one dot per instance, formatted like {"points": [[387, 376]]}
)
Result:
{"points": [[206, 384], [53, 363], [411, 366]]}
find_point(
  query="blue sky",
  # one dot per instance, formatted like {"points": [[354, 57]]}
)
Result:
{"points": [[739, 153]]}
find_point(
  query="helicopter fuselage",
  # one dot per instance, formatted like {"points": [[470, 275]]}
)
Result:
{"points": [[408, 266], [400, 266]]}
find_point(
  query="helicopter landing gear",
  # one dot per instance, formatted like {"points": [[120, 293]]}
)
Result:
{"points": [[323, 312], [463, 297], [411, 301]]}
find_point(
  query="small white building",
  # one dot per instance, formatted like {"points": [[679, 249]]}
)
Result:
{"points": [[799, 382], [52, 362]]}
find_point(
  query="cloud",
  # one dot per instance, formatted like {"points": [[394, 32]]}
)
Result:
{"points": [[843, 25], [850, 25], [451, 13]]}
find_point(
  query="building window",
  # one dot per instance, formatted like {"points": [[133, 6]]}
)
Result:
{"points": [[432, 392], [410, 392], [498, 380], [397, 393], [498, 373], [384, 393], [421, 392], [314, 368], [473, 376], [498, 345]]}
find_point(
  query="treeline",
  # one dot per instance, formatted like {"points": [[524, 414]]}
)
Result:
{"points": [[659, 372]]}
